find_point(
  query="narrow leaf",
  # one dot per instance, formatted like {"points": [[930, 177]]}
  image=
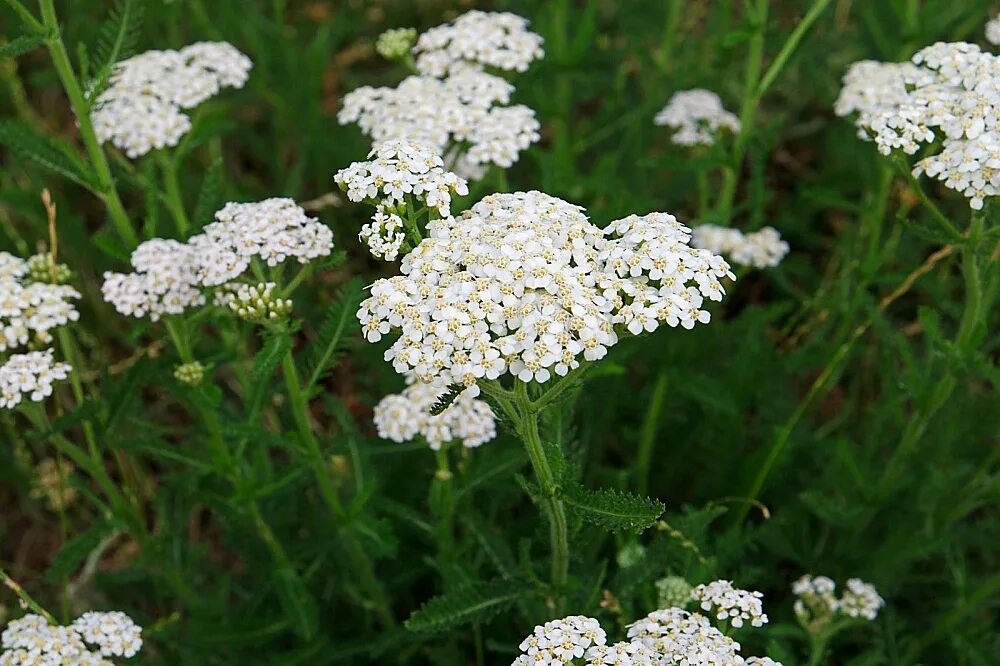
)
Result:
{"points": [[20, 46], [331, 336], [299, 606], [208, 196], [269, 357], [72, 553]]}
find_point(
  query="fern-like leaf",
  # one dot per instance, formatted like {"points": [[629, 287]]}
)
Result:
{"points": [[330, 340], [614, 510], [20, 46], [49, 153], [208, 196], [116, 41], [446, 399], [270, 355], [477, 602]]}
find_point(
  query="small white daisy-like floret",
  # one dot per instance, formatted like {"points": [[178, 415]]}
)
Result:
{"points": [[860, 599], [114, 633], [731, 604], [403, 416], [165, 281], [31, 376], [561, 642], [488, 39], [763, 248], [384, 235], [685, 639], [949, 92], [697, 116], [632, 653], [142, 108], [402, 169], [524, 284], [762, 661]]}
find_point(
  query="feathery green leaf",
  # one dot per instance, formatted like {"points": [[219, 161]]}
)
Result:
{"points": [[614, 510], [477, 602]]}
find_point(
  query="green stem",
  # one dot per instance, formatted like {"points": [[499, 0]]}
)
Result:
{"points": [[359, 559], [174, 198], [527, 427], [647, 439], [788, 48], [973, 313], [26, 15], [24, 597], [99, 162]]}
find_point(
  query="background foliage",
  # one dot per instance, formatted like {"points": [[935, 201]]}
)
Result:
{"points": [[806, 391]]}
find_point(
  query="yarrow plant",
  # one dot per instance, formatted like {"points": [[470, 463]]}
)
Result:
{"points": [[29, 311], [403, 416], [86, 642], [697, 118], [823, 615], [142, 108], [763, 248], [948, 92], [454, 106]]}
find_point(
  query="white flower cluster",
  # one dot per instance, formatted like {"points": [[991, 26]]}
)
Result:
{"points": [[491, 39], [30, 310], [680, 637], [993, 30], [384, 235], [462, 109], [861, 600], [870, 88], [730, 603], [31, 374], [523, 284], [403, 416], [952, 95], [253, 302], [817, 602], [141, 109], [763, 248], [402, 168], [32, 640], [169, 274], [697, 116], [560, 642]]}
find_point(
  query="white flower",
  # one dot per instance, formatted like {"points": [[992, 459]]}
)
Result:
{"points": [[492, 39], [464, 110], [993, 30], [384, 235], [683, 638], [32, 641], [113, 632], [29, 375], [402, 169], [731, 604], [141, 109], [169, 274], [951, 92], [560, 642], [632, 653], [759, 249], [697, 116], [860, 600], [402, 416], [523, 284]]}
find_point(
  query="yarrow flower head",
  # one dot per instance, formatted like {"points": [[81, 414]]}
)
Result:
{"points": [[142, 108], [254, 302], [673, 591], [758, 249], [191, 373], [680, 637], [560, 642], [486, 39], [29, 309], [396, 43], [993, 30], [31, 376], [860, 600], [952, 93], [32, 640], [401, 169], [170, 275], [731, 604], [523, 284], [42, 267], [466, 108], [401, 417], [697, 116]]}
